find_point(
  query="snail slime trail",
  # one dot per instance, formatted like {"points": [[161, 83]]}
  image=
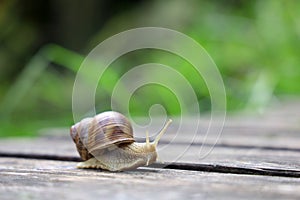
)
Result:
{"points": [[106, 142]]}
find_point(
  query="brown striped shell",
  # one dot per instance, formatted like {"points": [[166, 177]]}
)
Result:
{"points": [[105, 130]]}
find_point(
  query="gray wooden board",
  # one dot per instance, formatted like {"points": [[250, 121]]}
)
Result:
{"points": [[41, 179], [246, 141], [270, 141], [237, 130], [227, 156]]}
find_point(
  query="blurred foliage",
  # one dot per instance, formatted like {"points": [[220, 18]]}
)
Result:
{"points": [[255, 44]]}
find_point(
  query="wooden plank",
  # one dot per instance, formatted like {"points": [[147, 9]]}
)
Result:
{"points": [[182, 153], [278, 127], [41, 179], [241, 130], [237, 131], [266, 145], [268, 141]]}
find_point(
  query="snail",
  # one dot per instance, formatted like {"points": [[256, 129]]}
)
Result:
{"points": [[106, 142]]}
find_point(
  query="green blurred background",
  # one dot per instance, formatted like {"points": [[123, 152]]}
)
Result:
{"points": [[255, 44]]}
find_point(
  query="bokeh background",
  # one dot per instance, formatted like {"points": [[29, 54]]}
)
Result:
{"points": [[255, 44]]}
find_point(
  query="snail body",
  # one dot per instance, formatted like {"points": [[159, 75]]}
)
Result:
{"points": [[106, 142]]}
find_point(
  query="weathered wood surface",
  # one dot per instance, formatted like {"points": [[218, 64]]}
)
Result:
{"points": [[249, 148], [254, 157], [41, 179]]}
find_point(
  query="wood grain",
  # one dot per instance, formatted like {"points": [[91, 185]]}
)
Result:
{"points": [[255, 157], [234, 157], [40, 179]]}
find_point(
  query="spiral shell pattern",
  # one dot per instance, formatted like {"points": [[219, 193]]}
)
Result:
{"points": [[105, 130]]}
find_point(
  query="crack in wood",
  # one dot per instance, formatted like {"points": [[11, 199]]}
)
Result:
{"points": [[40, 156], [177, 166], [230, 169]]}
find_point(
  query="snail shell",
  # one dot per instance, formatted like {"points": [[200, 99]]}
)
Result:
{"points": [[106, 141]]}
